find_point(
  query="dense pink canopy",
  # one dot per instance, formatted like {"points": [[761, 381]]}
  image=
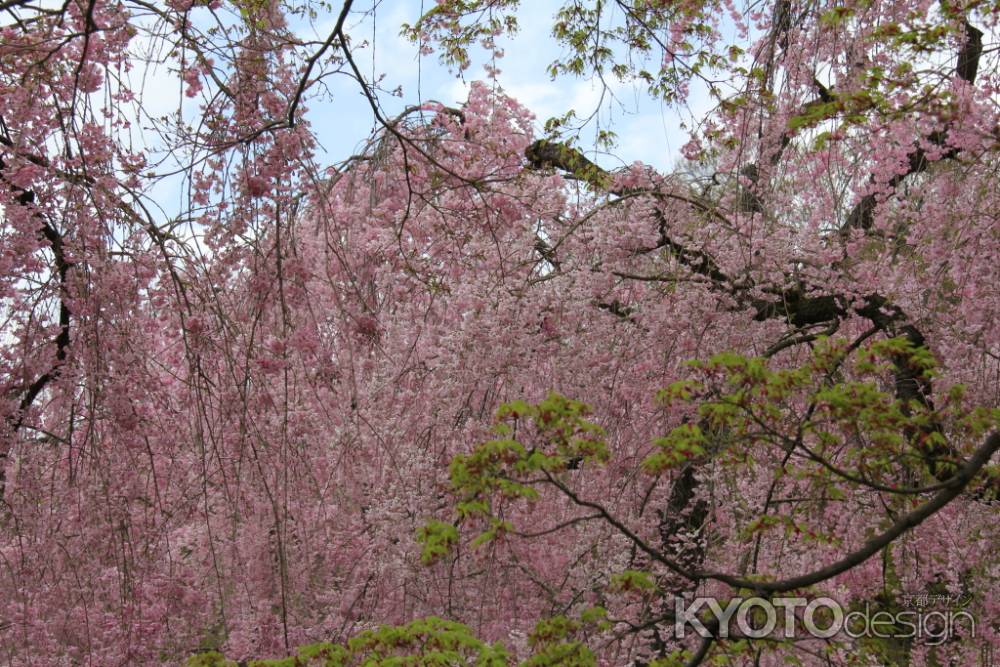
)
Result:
{"points": [[226, 425]]}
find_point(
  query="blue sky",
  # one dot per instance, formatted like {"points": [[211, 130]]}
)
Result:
{"points": [[647, 130]]}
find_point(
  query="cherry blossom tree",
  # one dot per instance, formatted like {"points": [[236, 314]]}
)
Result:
{"points": [[467, 397]]}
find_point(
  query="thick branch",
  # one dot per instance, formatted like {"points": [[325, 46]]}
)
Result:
{"points": [[793, 304], [874, 545], [62, 338], [552, 154], [30, 393]]}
